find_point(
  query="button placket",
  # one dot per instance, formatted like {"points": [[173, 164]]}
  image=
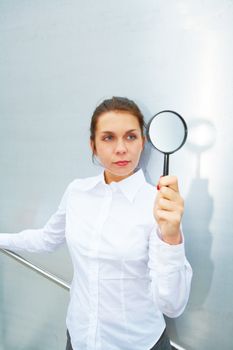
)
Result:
{"points": [[94, 271]]}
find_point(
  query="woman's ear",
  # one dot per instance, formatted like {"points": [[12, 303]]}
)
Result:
{"points": [[92, 145]]}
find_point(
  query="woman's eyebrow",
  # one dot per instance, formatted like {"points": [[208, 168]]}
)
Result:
{"points": [[111, 132]]}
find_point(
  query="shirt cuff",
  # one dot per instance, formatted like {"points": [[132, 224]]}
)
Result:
{"points": [[166, 257], [6, 241], [159, 233]]}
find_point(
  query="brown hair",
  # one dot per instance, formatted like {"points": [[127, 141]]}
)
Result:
{"points": [[115, 104]]}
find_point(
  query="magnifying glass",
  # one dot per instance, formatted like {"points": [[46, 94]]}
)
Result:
{"points": [[167, 132]]}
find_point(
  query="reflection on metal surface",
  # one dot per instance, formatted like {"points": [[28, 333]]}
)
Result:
{"points": [[37, 269], [176, 347], [202, 136]]}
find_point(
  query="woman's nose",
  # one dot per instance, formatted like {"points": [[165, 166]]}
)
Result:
{"points": [[121, 147]]}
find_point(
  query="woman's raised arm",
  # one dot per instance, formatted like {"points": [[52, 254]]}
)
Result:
{"points": [[47, 238]]}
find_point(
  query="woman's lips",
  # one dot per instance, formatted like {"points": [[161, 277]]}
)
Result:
{"points": [[122, 163]]}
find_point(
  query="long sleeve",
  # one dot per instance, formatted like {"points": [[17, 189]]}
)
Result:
{"points": [[170, 273], [47, 238]]}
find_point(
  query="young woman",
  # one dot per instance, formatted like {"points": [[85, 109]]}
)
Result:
{"points": [[124, 238]]}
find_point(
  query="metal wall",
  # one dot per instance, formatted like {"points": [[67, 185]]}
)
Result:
{"points": [[57, 60]]}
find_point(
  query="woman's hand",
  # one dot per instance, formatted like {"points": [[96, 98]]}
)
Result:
{"points": [[168, 209]]}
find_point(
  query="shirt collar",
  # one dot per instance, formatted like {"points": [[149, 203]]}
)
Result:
{"points": [[128, 186]]}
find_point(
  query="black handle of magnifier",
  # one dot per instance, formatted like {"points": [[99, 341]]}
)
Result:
{"points": [[166, 164]]}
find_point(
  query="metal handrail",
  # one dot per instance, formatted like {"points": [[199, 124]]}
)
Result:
{"points": [[33, 267]]}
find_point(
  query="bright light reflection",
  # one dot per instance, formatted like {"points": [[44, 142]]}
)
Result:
{"points": [[202, 135]]}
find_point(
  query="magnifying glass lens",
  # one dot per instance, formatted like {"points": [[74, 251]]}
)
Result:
{"points": [[167, 132]]}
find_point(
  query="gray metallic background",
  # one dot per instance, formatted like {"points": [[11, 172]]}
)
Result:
{"points": [[58, 59]]}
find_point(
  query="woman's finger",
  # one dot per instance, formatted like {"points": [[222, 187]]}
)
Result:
{"points": [[169, 181], [165, 204], [171, 217], [168, 193]]}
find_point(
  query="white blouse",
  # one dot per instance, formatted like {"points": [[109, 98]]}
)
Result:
{"points": [[125, 277]]}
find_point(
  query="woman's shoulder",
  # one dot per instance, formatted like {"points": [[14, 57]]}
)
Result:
{"points": [[83, 182]]}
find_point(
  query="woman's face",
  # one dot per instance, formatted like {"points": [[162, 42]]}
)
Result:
{"points": [[118, 139]]}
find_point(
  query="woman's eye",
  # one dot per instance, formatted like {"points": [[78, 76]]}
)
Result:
{"points": [[110, 137], [132, 137], [106, 138]]}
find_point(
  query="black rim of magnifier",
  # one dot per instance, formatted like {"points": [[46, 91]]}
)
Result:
{"points": [[185, 130]]}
